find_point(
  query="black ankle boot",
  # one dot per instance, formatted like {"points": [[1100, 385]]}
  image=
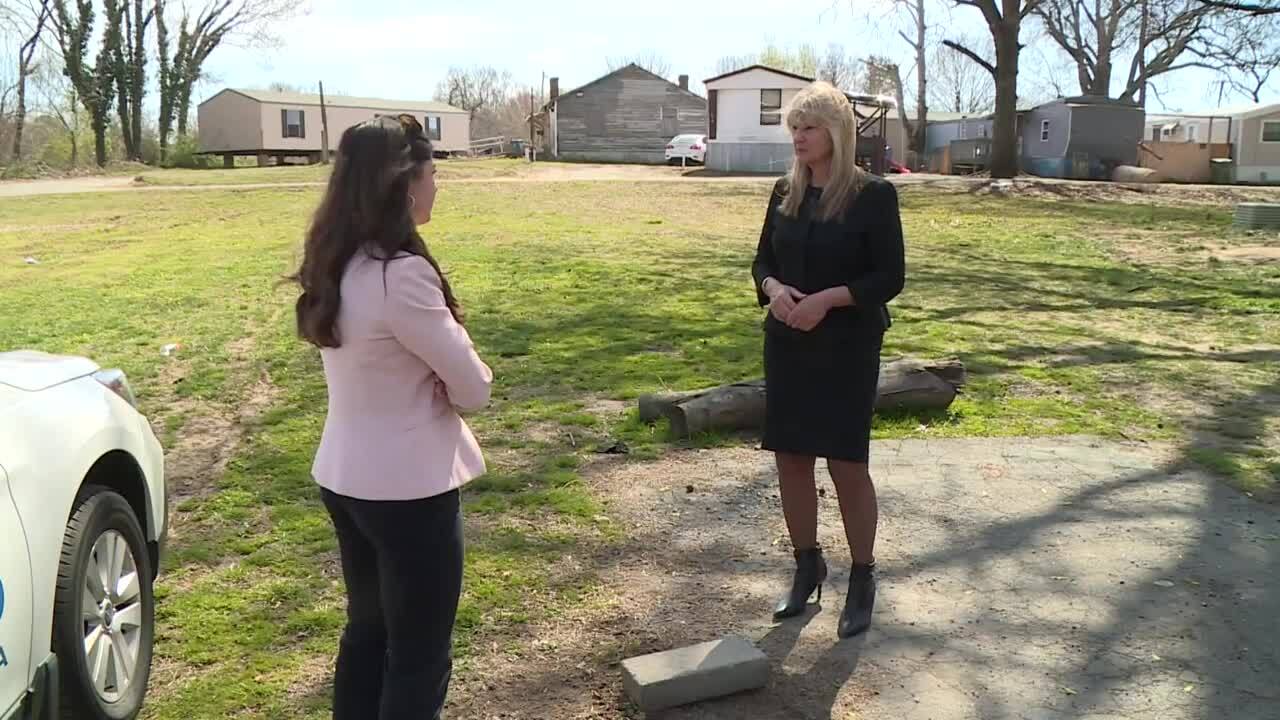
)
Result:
{"points": [[858, 604], [811, 571]]}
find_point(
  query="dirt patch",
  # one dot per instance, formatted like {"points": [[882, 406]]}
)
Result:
{"points": [[1250, 253], [210, 434], [1027, 186], [168, 674], [1011, 569], [313, 678]]}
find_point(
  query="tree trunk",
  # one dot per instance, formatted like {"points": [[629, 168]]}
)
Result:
{"points": [[922, 80], [19, 117], [26, 55], [114, 60], [165, 80], [138, 75], [1004, 145], [899, 96], [1144, 29], [184, 106], [100, 144], [904, 384]]}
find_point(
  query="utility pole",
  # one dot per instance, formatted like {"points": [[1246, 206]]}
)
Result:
{"points": [[324, 128]]}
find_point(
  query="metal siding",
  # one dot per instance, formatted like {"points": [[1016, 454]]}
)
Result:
{"points": [[1059, 117], [1108, 135], [1252, 151], [229, 122], [620, 119], [940, 134], [749, 157]]}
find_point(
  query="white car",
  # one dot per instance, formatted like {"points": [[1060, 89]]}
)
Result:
{"points": [[691, 148], [83, 514]]}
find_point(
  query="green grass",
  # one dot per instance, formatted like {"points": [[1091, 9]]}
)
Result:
{"points": [[583, 292], [448, 170]]}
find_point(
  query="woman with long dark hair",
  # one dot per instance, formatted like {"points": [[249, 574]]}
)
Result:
{"points": [[399, 368], [830, 259]]}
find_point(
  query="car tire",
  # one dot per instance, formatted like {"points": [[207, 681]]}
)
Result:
{"points": [[104, 562]]}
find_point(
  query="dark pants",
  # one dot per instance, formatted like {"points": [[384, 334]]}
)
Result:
{"points": [[402, 562]]}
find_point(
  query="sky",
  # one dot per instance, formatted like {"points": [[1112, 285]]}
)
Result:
{"points": [[401, 49]]}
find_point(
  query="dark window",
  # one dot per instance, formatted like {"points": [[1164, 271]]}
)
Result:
{"points": [[770, 107], [1271, 131], [1044, 131], [432, 125], [293, 123]]}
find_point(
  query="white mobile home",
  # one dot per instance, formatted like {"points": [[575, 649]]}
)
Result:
{"points": [[282, 124], [747, 129]]}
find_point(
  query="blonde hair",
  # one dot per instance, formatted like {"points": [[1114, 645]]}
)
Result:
{"points": [[824, 106]]}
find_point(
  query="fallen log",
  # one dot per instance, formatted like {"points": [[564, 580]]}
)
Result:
{"points": [[907, 384]]}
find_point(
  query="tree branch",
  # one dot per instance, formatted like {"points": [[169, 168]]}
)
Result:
{"points": [[971, 55], [1249, 8]]}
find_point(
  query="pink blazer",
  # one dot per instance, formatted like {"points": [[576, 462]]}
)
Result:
{"points": [[386, 436]]}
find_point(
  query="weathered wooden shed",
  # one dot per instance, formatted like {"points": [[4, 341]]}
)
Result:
{"points": [[627, 116]]}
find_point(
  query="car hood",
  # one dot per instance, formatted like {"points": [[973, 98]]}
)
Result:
{"points": [[32, 371]]}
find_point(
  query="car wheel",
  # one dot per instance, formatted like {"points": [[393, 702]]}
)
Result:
{"points": [[104, 610]]}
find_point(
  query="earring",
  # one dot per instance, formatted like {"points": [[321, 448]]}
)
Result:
{"points": [[413, 201]]}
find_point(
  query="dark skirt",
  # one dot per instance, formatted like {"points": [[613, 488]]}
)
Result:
{"points": [[820, 393]]}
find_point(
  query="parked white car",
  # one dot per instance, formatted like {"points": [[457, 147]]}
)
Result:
{"points": [[83, 514], [692, 148]]}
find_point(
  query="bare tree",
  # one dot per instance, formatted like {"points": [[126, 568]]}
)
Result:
{"points": [[841, 69], [8, 82], [201, 30], [1245, 49], [1044, 76], [1004, 21], [508, 118], [1156, 36], [58, 99], [911, 18], [1266, 7], [958, 84], [879, 77], [474, 88], [802, 60], [31, 21], [892, 74], [1160, 37], [651, 61]]}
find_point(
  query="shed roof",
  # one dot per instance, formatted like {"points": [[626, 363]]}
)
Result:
{"points": [[292, 98], [1239, 112], [766, 68], [606, 76]]}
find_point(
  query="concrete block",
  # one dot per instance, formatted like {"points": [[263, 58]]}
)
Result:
{"points": [[691, 674]]}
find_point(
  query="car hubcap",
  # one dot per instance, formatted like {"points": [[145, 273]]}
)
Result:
{"points": [[111, 610]]}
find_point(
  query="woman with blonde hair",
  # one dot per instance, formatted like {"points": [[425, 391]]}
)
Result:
{"points": [[830, 259]]}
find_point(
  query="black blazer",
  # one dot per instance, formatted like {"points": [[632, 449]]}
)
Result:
{"points": [[862, 250]]}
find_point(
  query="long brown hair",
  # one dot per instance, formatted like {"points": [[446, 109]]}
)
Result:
{"points": [[366, 208]]}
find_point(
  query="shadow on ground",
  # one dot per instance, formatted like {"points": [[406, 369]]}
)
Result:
{"points": [[1064, 578]]}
